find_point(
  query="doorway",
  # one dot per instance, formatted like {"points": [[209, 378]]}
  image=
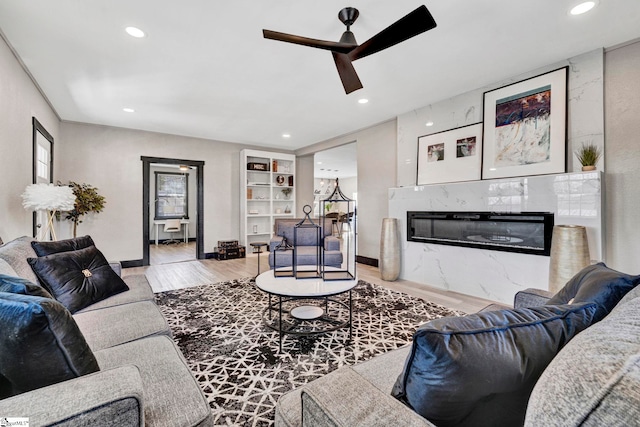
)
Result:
{"points": [[172, 190], [42, 174]]}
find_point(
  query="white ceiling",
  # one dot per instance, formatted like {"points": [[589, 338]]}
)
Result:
{"points": [[204, 70]]}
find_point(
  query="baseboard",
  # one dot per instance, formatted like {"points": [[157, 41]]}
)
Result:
{"points": [[366, 260], [131, 263]]}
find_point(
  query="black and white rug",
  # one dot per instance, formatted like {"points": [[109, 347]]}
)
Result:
{"points": [[235, 357]]}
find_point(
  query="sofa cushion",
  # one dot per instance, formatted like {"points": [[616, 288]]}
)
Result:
{"points": [[595, 379], [15, 253], [18, 285], [78, 278], [172, 396], [40, 344], [48, 248], [596, 283], [120, 324], [479, 369]]}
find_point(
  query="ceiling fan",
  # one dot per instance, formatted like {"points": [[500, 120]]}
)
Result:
{"points": [[347, 49]]}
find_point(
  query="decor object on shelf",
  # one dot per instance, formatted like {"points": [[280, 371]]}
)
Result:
{"points": [[569, 254], [342, 204], [450, 156], [50, 198], [287, 192], [389, 250], [347, 49], [280, 180], [588, 156], [87, 200], [525, 127]]}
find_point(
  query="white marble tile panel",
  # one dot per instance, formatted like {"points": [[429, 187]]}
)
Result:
{"points": [[574, 198]]}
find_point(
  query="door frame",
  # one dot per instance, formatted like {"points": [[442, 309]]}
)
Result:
{"points": [[146, 202], [38, 129]]}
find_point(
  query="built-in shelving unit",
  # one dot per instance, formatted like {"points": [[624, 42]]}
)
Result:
{"points": [[268, 192]]}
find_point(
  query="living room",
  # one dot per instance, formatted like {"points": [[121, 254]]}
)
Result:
{"points": [[109, 156]]}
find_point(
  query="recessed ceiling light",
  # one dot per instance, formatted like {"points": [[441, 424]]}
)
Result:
{"points": [[429, 124], [286, 135], [134, 32], [128, 110], [362, 101], [319, 163], [583, 7]]}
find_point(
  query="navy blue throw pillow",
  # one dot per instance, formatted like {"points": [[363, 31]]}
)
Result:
{"points": [[18, 285], [48, 248], [596, 283], [40, 344], [78, 278], [479, 370]]}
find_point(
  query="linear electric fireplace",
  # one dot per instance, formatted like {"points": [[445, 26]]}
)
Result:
{"points": [[526, 232]]}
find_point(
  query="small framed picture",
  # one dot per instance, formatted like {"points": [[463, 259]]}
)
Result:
{"points": [[450, 156]]}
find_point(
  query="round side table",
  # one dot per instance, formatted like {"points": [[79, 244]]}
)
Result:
{"points": [[257, 249]]}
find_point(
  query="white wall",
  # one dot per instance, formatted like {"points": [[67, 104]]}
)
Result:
{"points": [[20, 100], [304, 183], [622, 125], [585, 113], [109, 159]]}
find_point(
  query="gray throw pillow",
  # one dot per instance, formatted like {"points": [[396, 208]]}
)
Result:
{"points": [[479, 370], [40, 344]]}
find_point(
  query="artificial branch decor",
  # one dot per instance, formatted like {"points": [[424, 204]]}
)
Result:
{"points": [[588, 156], [87, 200], [286, 192]]}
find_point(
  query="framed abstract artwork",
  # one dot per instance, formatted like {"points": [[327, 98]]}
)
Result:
{"points": [[525, 127], [450, 156]]}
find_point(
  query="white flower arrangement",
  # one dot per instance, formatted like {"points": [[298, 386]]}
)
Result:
{"points": [[48, 197]]}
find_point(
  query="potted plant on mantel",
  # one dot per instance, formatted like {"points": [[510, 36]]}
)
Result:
{"points": [[87, 200], [588, 156]]}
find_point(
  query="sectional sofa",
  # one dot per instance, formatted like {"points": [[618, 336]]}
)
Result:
{"points": [[112, 362], [570, 359]]}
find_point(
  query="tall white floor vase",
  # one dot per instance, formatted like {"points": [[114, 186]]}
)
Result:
{"points": [[389, 250]]}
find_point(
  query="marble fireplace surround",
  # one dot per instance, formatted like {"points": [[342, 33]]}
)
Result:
{"points": [[574, 198]]}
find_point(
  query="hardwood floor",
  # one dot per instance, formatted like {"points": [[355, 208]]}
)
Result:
{"points": [[175, 252], [167, 275]]}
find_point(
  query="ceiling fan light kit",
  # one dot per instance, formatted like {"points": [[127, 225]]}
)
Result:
{"points": [[347, 49]]}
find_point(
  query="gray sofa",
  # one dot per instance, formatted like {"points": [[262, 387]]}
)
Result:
{"points": [[593, 381], [143, 377], [307, 244]]}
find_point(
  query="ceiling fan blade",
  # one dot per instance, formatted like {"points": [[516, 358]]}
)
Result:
{"points": [[306, 41], [416, 22], [347, 73]]}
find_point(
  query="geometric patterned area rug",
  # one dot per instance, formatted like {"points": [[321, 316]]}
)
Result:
{"points": [[235, 358]]}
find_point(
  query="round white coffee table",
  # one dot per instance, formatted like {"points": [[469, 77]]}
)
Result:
{"points": [[305, 319]]}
